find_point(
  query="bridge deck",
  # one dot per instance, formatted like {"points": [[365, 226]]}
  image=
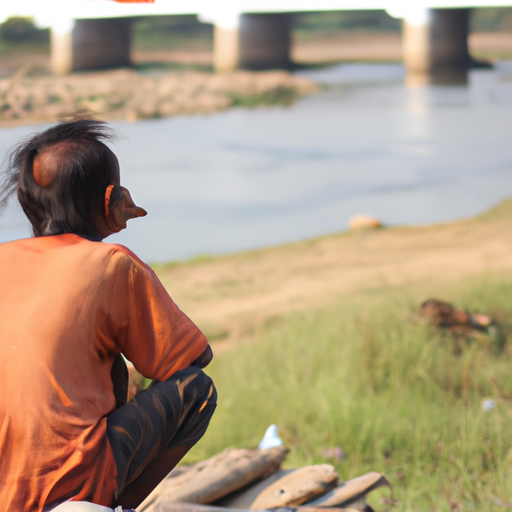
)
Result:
{"points": [[46, 11]]}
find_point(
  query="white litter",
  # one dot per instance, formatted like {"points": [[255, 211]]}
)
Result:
{"points": [[270, 439], [488, 404]]}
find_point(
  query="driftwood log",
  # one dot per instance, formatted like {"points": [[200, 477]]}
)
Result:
{"points": [[352, 492], [239, 480], [297, 487], [212, 479], [244, 498], [192, 507]]}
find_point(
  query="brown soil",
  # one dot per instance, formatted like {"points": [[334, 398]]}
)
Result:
{"points": [[387, 46], [348, 46], [175, 56], [14, 62], [234, 295], [497, 45]]}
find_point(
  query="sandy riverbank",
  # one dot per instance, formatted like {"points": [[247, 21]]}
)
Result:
{"points": [[232, 296]]}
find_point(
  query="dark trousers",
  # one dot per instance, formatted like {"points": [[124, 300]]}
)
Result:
{"points": [[171, 414]]}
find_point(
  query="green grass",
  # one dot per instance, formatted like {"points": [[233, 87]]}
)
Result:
{"points": [[281, 95], [396, 396], [145, 67], [24, 48], [172, 33]]}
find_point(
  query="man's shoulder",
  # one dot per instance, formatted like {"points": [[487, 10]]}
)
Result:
{"points": [[70, 247], [122, 253]]}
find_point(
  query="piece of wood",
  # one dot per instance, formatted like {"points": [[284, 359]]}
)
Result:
{"points": [[245, 497], [297, 487], [192, 507], [179, 470], [352, 491], [212, 479]]}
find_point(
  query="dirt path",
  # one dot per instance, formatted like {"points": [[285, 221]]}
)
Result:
{"points": [[234, 295]]}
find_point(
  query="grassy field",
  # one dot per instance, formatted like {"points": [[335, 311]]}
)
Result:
{"points": [[363, 373], [394, 395]]}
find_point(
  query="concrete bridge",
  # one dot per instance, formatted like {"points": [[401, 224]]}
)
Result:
{"points": [[256, 34]]}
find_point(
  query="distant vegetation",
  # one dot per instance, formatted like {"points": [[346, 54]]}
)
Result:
{"points": [[17, 29], [488, 19], [172, 33], [331, 21], [21, 33], [491, 19]]}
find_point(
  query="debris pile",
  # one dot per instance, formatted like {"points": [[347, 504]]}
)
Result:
{"points": [[243, 480], [126, 94], [461, 323]]}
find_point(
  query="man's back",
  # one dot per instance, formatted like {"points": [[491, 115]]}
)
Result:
{"points": [[55, 377], [68, 307]]}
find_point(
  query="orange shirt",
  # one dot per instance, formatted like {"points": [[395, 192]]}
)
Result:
{"points": [[68, 307]]}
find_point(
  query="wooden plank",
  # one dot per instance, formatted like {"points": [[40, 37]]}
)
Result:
{"points": [[179, 470], [297, 487], [212, 479], [351, 491], [245, 497], [192, 507]]}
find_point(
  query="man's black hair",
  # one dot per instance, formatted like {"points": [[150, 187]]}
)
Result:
{"points": [[73, 200]]}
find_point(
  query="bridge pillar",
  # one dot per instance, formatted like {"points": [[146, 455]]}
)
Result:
{"points": [[265, 41], [91, 44], [226, 51], [260, 41], [436, 48]]}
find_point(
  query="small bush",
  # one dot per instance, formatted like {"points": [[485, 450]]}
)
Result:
{"points": [[280, 95], [491, 19], [22, 30]]}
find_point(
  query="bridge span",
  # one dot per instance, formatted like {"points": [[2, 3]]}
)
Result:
{"points": [[253, 34]]}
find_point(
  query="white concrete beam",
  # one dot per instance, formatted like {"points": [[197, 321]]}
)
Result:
{"points": [[47, 11]]}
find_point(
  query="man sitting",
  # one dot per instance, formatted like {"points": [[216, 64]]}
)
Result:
{"points": [[70, 305]]}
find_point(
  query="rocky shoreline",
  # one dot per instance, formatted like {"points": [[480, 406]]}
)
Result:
{"points": [[127, 94]]}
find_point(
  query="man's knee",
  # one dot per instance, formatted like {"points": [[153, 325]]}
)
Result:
{"points": [[194, 386], [174, 413], [199, 400]]}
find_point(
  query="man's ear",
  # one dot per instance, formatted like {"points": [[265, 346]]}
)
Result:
{"points": [[120, 207]]}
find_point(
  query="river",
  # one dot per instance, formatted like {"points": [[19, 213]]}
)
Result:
{"points": [[246, 179]]}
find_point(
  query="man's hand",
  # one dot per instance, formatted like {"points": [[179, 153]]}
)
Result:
{"points": [[204, 359]]}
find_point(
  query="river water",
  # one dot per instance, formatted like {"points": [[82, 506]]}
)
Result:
{"points": [[245, 179]]}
